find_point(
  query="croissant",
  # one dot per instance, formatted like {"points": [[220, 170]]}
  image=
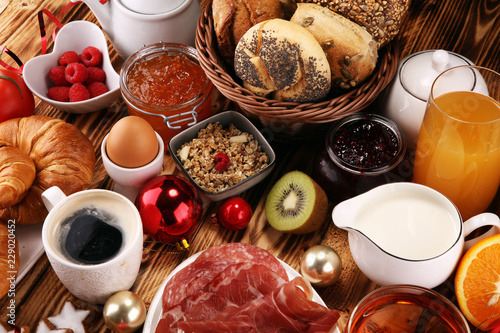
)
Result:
{"points": [[17, 173], [62, 155]]}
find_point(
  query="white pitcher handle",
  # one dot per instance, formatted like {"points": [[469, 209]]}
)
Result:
{"points": [[478, 221], [52, 196]]}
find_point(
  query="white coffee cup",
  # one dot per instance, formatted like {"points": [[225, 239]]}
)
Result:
{"points": [[93, 283]]}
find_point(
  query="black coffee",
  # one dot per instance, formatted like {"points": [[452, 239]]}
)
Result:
{"points": [[89, 239]]}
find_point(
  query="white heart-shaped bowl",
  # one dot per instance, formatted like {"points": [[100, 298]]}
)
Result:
{"points": [[74, 36]]}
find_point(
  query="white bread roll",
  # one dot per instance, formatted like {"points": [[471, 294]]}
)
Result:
{"points": [[282, 60], [351, 51]]}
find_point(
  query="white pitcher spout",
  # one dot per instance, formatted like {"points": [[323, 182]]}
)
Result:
{"points": [[344, 214], [101, 11]]}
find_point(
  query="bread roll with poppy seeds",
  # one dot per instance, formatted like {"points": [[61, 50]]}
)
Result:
{"points": [[282, 60], [350, 49]]}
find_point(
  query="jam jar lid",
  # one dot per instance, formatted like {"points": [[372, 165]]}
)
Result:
{"points": [[418, 71], [365, 144]]}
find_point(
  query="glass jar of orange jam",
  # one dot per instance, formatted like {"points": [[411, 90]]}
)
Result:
{"points": [[164, 84]]}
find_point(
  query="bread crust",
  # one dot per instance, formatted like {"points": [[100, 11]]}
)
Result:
{"points": [[233, 18], [381, 18], [63, 157], [350, 49], [283, 59]]}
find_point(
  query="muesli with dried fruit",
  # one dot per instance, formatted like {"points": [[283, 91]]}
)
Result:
{"points": [[219, 158]]}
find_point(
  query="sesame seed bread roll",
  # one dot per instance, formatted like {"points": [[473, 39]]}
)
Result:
{"points": [[351, 51], [282, 60]]}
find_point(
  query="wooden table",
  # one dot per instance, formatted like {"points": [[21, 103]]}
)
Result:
{"points": [[467, 27]]}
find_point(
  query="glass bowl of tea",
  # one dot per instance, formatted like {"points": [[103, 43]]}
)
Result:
{"points": [[406, 308]]}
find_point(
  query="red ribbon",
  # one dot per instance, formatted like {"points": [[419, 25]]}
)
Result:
{"points": [[5, 50], [54, 19]]}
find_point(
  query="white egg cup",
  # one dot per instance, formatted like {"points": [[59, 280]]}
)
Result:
{"points": [[128, 181]]}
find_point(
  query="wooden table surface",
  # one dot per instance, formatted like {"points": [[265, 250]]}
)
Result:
{"points": [[468, 27]]}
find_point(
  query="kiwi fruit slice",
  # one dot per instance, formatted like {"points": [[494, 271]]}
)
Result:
{"points": [[296, 204]]}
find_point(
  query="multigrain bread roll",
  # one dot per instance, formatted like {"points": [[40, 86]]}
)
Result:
{"points": [[282, 60], [232, 18], [381, 18], [350, 49]]}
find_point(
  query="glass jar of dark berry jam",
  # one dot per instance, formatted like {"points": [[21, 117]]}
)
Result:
{"points": [[361, 151]]}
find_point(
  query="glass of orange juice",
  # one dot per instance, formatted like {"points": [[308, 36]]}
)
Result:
{"points": [[458, 148]]}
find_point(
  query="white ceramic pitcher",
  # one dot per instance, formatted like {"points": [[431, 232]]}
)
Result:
{"points": [[131, 24], [407, 233]]}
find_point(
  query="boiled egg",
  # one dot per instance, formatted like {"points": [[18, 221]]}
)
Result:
{"points": [[132, 142]]}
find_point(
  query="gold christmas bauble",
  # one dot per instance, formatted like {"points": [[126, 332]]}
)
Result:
{"points": [[124, 312], [321, 266]]}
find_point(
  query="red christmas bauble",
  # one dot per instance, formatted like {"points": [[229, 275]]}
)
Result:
{"points": [[170, 208], [234, 214]]}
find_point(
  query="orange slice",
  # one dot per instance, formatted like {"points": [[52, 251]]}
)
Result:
{"points": [[477, 282]]}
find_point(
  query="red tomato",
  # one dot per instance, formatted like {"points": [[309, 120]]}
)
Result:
{"points": [[16, 99]]}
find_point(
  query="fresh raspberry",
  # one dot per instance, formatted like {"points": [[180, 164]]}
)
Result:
{"points": [[68, 57], [60, 94], [76, 73], [57, 76], [95, 75], [97, 88], [78, 92], [91, 56], [222, 162]]}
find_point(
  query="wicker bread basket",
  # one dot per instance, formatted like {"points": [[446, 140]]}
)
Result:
{"points": [[287, 120]]}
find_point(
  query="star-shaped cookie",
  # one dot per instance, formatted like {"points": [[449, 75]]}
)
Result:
{"points": [[45, 326], [70, 318]]}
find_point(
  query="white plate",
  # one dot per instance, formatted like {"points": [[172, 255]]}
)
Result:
{"points": [[29, 238], [155, 309]]}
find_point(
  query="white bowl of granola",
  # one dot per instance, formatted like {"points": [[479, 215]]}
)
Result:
{"points": [[223, 155]]}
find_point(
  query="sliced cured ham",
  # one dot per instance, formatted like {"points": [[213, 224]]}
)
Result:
{"points": [[210, 263], [279, 311], [243, 282], [234, 290], [219, 327], [200, 306], [235, 253], [241, 288]]}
